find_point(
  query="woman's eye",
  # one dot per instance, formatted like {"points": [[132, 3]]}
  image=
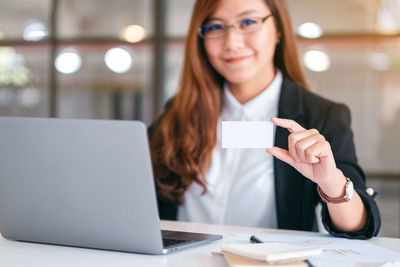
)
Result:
{"points": [[247, 22], [213, 27]]}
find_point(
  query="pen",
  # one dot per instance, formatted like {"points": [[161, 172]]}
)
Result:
{"points": [[254, 239], [309, 263]]}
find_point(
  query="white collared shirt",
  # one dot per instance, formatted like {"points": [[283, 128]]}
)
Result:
{"points": [[240, 182]]}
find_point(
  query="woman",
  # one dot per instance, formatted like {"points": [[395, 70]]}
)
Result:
{"points": [[241, 63]]}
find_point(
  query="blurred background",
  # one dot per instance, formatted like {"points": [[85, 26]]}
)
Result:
{"points": [[121, 59]]}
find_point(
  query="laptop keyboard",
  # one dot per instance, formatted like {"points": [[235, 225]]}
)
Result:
{"points": [[171, 242]]}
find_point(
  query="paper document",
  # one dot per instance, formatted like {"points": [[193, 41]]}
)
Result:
{"points": [[336, 251], [247, 134]]}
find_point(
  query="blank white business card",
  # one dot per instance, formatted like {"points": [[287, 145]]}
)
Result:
{"points": [[247, 134]]}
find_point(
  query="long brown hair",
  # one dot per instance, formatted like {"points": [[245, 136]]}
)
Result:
{"points": [[185, 133]]}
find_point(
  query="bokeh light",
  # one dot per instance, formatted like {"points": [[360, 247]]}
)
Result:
{"points": [[309, 30], [34, 31], [118, 59], [29, 97], [133, 33], [379, 61], [316, 60], [68, 62]]}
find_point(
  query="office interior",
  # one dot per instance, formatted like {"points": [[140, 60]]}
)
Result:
{"points": [[121, 59]]}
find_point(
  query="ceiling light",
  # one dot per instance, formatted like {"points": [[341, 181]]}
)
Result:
{"points": [[316, 60], [68, 62], [309, 30], [34, 31], [118, 59], [133, 33]]}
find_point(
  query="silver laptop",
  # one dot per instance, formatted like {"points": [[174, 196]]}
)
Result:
{"points": [[85, 183]]}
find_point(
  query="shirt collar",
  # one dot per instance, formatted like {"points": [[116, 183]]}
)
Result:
{"points": [[257, 108]]}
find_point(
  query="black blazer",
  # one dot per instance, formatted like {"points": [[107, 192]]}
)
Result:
{"points": [[296, 196]]}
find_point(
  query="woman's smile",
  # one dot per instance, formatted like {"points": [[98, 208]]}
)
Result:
{"points": [[237, 59]]}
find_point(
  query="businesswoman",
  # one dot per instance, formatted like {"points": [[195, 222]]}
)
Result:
{"points": [[241, 63]]}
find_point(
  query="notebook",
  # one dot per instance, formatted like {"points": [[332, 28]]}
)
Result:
{"points": [[238, 261], [85, 183], [272, 252]]}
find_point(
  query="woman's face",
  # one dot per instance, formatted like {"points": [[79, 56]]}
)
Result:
{"points": [[242, 57]]}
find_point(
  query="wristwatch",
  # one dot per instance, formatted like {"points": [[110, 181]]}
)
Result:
{"points": [[347, 196]]}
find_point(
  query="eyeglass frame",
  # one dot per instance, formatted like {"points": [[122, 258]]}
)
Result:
{"points": [[234, 25]]}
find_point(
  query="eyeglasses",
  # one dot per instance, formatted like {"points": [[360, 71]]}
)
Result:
{"points": [[215, 30]]}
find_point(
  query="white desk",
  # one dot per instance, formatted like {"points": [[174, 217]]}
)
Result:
{"points": [[21, 254]]}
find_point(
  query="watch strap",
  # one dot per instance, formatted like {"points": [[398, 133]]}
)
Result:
{"points": [[331, 200]]}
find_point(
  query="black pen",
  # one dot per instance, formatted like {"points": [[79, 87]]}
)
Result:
{"points": [[254, 239], [309, 263]]}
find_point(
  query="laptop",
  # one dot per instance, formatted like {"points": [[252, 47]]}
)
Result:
{"points": [[83, 183]]}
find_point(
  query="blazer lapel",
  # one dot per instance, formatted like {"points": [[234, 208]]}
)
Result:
{"points": [[289, 107]]}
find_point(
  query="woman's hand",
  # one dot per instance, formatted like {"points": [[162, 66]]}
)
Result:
{"points": [[311, 155]]}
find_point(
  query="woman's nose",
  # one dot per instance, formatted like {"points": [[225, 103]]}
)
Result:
{"points": [[233, 39]]}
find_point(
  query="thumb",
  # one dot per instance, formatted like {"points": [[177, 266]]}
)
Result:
{"points": [[282, 154]]}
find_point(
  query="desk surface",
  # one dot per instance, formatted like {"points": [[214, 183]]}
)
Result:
{"points": [[18, 254]]}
